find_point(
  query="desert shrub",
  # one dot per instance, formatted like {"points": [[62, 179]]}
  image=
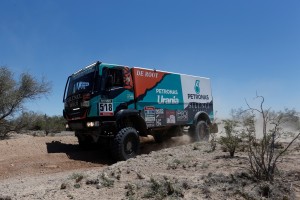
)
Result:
{"points": [[106, 181], [162, 189], [174, 164], [130, 191], [23, 121], [232, 138], [31, 121], [204, 165], [76, 176], [263, 152], [49, 124], [242, 185]]}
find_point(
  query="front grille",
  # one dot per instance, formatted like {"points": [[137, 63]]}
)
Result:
{"points": [[77, 114], [76, 125]]}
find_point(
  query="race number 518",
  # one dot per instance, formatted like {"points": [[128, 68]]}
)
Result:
{"points": [[106, 108]]}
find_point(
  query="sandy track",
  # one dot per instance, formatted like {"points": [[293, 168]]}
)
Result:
{"points": [[24, 155]]}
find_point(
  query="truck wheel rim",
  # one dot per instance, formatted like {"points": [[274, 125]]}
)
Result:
{"points": [[128, 147]]}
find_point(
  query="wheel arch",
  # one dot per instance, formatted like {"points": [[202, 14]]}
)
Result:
{"points": [[201, 116], [132, 116]]}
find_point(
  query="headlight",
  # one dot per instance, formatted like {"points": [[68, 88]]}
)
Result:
{"points": [[92, 124]]}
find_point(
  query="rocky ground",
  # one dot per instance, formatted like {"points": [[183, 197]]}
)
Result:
{"points": [[53, 167]]}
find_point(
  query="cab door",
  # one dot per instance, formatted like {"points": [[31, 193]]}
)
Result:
{"points": [[118, 90]]}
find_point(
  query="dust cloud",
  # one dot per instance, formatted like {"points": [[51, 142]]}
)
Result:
{"points": [[148, 144]]}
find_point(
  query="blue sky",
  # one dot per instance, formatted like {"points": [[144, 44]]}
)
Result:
{"points": [[243, 46]]}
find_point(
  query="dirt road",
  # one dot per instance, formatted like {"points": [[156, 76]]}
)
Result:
{"points": [[24, 155]]}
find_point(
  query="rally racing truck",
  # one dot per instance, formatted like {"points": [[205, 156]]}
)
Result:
{"points": [[116, 105]]}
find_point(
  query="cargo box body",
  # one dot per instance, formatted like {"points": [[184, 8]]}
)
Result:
{"points": [[166, 98]]}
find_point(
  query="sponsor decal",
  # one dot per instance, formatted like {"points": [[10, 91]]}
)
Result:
{"points": [[81, 86], [159, 111], [197, 96], [146, 73], [73, 104], [166, 91], [199, 106], [159, 117], [193, 108], [74, 97], [163, 100], [73, 101], [182, 115], [170, 116], [145, 80], [106, 107], [197, 86], [149, 115]]}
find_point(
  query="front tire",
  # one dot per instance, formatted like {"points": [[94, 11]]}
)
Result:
{"points": [[126, 144]]}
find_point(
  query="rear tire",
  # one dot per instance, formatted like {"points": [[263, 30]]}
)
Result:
{"points": [[126, 144], [200, 132]]}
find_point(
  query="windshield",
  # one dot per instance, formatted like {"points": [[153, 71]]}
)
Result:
{"points": [[80, 84], [82, 81]]}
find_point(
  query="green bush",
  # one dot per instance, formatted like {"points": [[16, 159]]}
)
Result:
{"points": [[31, 121], [232, 138]]}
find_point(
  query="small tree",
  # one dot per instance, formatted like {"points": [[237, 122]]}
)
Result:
{"points": [[232, 139], [13, 95], [263, 154]]}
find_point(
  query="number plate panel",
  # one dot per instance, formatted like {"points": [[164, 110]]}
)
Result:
{"points": [[106, 107]]}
